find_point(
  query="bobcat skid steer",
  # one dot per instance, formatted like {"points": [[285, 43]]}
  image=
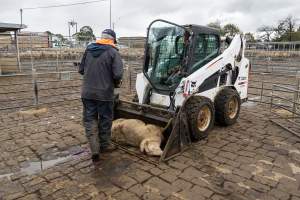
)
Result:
{"points": [[187, 83]]}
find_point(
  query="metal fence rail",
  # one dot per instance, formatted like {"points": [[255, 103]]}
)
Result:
{"points": [[44, 71], [38, 88], [27, 90], [47, 74], [286, 109], [45, 53]]}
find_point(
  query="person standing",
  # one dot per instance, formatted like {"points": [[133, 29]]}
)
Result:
{"points": [[102, 70]]}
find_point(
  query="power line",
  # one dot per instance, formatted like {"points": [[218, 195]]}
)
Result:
{"points": [[63, 5]]}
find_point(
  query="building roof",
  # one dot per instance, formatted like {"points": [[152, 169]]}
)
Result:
{"points": [[11, 27]]}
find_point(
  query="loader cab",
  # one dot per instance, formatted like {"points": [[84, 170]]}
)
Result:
{"points": [[173, 52], [205, 46]]}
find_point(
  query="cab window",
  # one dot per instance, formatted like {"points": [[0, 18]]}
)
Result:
{"points": [[206, 48]]}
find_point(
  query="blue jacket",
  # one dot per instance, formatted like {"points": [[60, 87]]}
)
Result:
{"points": [[101, 67]]}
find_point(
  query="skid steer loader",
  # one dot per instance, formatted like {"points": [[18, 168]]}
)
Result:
{"points": [[188, 83]]}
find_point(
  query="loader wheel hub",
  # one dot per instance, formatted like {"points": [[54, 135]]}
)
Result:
{"points": [[204, 118], [233, 107]]}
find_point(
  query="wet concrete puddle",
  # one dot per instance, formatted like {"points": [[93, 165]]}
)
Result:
{"points": [[35, 167]]}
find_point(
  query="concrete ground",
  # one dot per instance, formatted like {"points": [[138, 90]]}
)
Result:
{"points": [[253, 159]]}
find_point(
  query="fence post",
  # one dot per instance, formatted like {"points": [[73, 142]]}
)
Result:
{"points": [[56, 69], [35, 88], [33, 73], [129, 67], [60, 56], [59, 61], [31, 57], [130, 81], [297, 98], [296, 94], [271, 104], [18, 51], [262, 91]]}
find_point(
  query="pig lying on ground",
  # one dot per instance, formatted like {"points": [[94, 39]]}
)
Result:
{"points": [[136, 133]]}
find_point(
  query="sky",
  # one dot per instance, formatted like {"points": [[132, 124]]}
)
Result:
{"points": [[131, 17]]}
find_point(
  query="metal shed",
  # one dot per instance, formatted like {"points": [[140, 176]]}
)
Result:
{"points": [[9, 27]]}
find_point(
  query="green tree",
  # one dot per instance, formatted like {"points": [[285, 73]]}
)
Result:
{"points": [[217, 25], [231, 30], [60, 39], [85, 34], [249, 37], [49, 33]]}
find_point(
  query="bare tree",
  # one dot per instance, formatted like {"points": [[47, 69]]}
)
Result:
{"points": [[266, 32], [285, 28]]}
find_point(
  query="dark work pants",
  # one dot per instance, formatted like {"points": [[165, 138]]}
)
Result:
{"points": [[97, 118]]}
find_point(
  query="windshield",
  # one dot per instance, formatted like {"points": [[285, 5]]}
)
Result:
{"points": [[165, 52]]}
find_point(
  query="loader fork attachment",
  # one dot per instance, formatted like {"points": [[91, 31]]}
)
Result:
{"points": [[179, 137], [176, 129]]}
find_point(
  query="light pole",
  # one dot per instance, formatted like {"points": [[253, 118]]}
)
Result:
{"points": [[115, 22], [110, 14], [21, 16], [72, 23], [62, 5]]}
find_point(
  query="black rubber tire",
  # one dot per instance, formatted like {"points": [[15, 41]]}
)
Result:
{"points": [[222, 106], [193, 106]]}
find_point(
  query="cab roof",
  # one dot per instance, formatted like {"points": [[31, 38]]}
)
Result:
{"points": [[202, 29]]}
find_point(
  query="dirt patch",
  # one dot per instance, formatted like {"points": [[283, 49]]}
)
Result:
{"points": [[72, 126], [33, 112]]}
